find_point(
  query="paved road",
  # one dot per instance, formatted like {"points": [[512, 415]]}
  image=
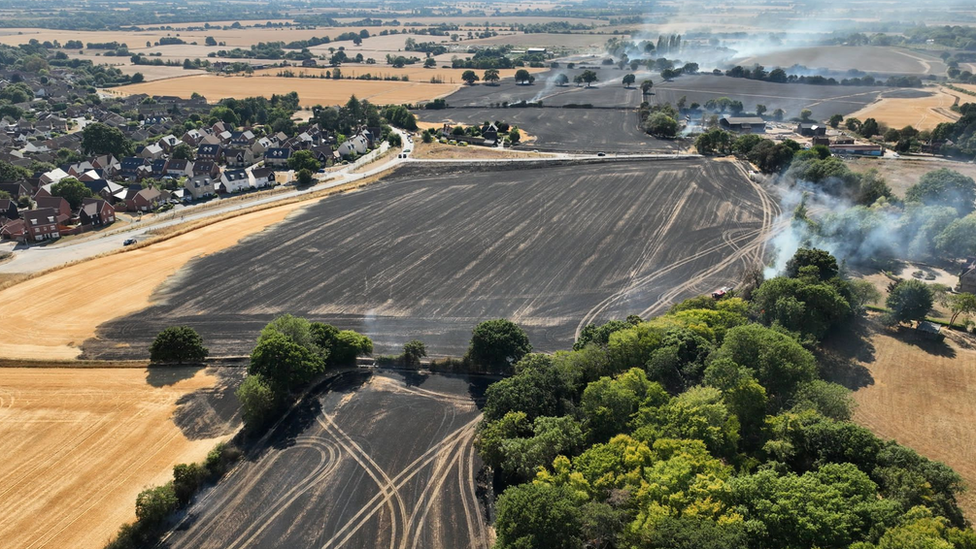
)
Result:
{"points": [[34, 259]]}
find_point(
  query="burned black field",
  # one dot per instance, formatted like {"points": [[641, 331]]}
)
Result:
{"points": [[566, 130], [430, 253], [374, 460], [607, 91], [823, 101]]}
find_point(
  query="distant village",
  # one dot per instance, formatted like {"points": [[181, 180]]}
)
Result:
{"points": [[177, 159]]}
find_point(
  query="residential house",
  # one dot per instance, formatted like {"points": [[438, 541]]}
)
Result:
{"points": [[743, 124], [152, 152], [238, 158], [41, 224], [324, 154], [130, 167], [210, 152], [192, 138], [490, 133], [168, 143], [261, 145], [53, 176], [142, 200], [55, 203], [104, 189], [200, 186], [357, 144], [14, 229], [262, 177], [179, 168], [277, 157], [8, 209], [242, 139], [206, 167], [16, 190], [158, 167], [232, 181], [96, 212]]}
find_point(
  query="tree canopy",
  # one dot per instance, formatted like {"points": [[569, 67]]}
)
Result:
{"points": [[178, 344]]}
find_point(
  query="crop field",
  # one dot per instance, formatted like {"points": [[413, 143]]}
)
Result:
{"points": [[33, 311], [607, 92], [414, 74], [566, 130], [375, 460], [574, 41], [80, 444], [823, 101], [311, 92], [919, 393], [875, 60], [922, 113], [435, 250]]}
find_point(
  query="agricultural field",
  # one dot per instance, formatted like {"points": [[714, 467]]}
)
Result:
{"points": [[80, 444], [917, 392], [413, 73], [823, 101], [374, 460], [905, 108], [902, 173], [435, 250], [34, 309], [607, 92], [875, 60], [566, 130], [310, 91]]}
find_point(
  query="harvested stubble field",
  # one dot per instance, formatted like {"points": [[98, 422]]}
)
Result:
{"points": [[917, 392], [374, 460], [875, 60], [435, 250], [823, 101], [414, 74], [311, 92], [923, 112], [80, 444], [34, 309], [566, 130], [902, 173]]}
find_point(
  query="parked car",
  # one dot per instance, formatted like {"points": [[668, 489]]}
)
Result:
{"points": [[128, 241]]}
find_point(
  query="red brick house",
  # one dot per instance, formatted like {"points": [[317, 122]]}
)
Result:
{"points": [[56, 203], [41, 224], [96, 212], [13, 229]]}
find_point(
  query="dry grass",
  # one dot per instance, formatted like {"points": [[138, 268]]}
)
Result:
{"points": [[902, 173], [921, 113], [310, 91], [921, 396], [79, 445], [440, 151]]}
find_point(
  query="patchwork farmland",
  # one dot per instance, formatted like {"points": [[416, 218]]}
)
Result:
{"points": [[376, 460], [432, 252]]}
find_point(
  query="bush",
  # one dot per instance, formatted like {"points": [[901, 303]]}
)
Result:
{"points": [[258, 402], [350, 345], [178, 344]]}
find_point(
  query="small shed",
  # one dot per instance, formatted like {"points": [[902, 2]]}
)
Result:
{"points": [[930, 330]]}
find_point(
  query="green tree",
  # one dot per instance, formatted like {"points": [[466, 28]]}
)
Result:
{"points": [[496, 345], [944, 187], [154, 505], [303, 160], [646, 86], [413, 351], [588, 77], [430, 63], [186, 480], [304, 177], [283, 363], [514, 135], [137, 78], [609, 403], [562, 80], [538, 516], [777, 360], [959, 238], [537, 389], [72, 190], [469, 77], [178, 344], [98, 138], [962, 303], [629, 80], [835, 120], [909, 300], [661, 125], [182, 152], [869, 128], [491, 76], [825, 263], [348, 346], [210, 41], [258, 401], [523, 76], [828, 399], [805, 114], [698, 414]]}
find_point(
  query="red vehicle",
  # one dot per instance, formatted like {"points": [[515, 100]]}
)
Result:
{"points": [[721, 292]]}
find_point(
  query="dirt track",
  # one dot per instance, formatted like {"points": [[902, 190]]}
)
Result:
{"points": [[376, 460], [50, 316], [428, 255], [80, 444]]}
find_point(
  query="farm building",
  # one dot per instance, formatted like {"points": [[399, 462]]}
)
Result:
{"points": [[857, 150], [930, 330], [743, 124], [811, 129]]}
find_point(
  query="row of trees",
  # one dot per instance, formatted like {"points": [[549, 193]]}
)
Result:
{"points": [[708, 427]]}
